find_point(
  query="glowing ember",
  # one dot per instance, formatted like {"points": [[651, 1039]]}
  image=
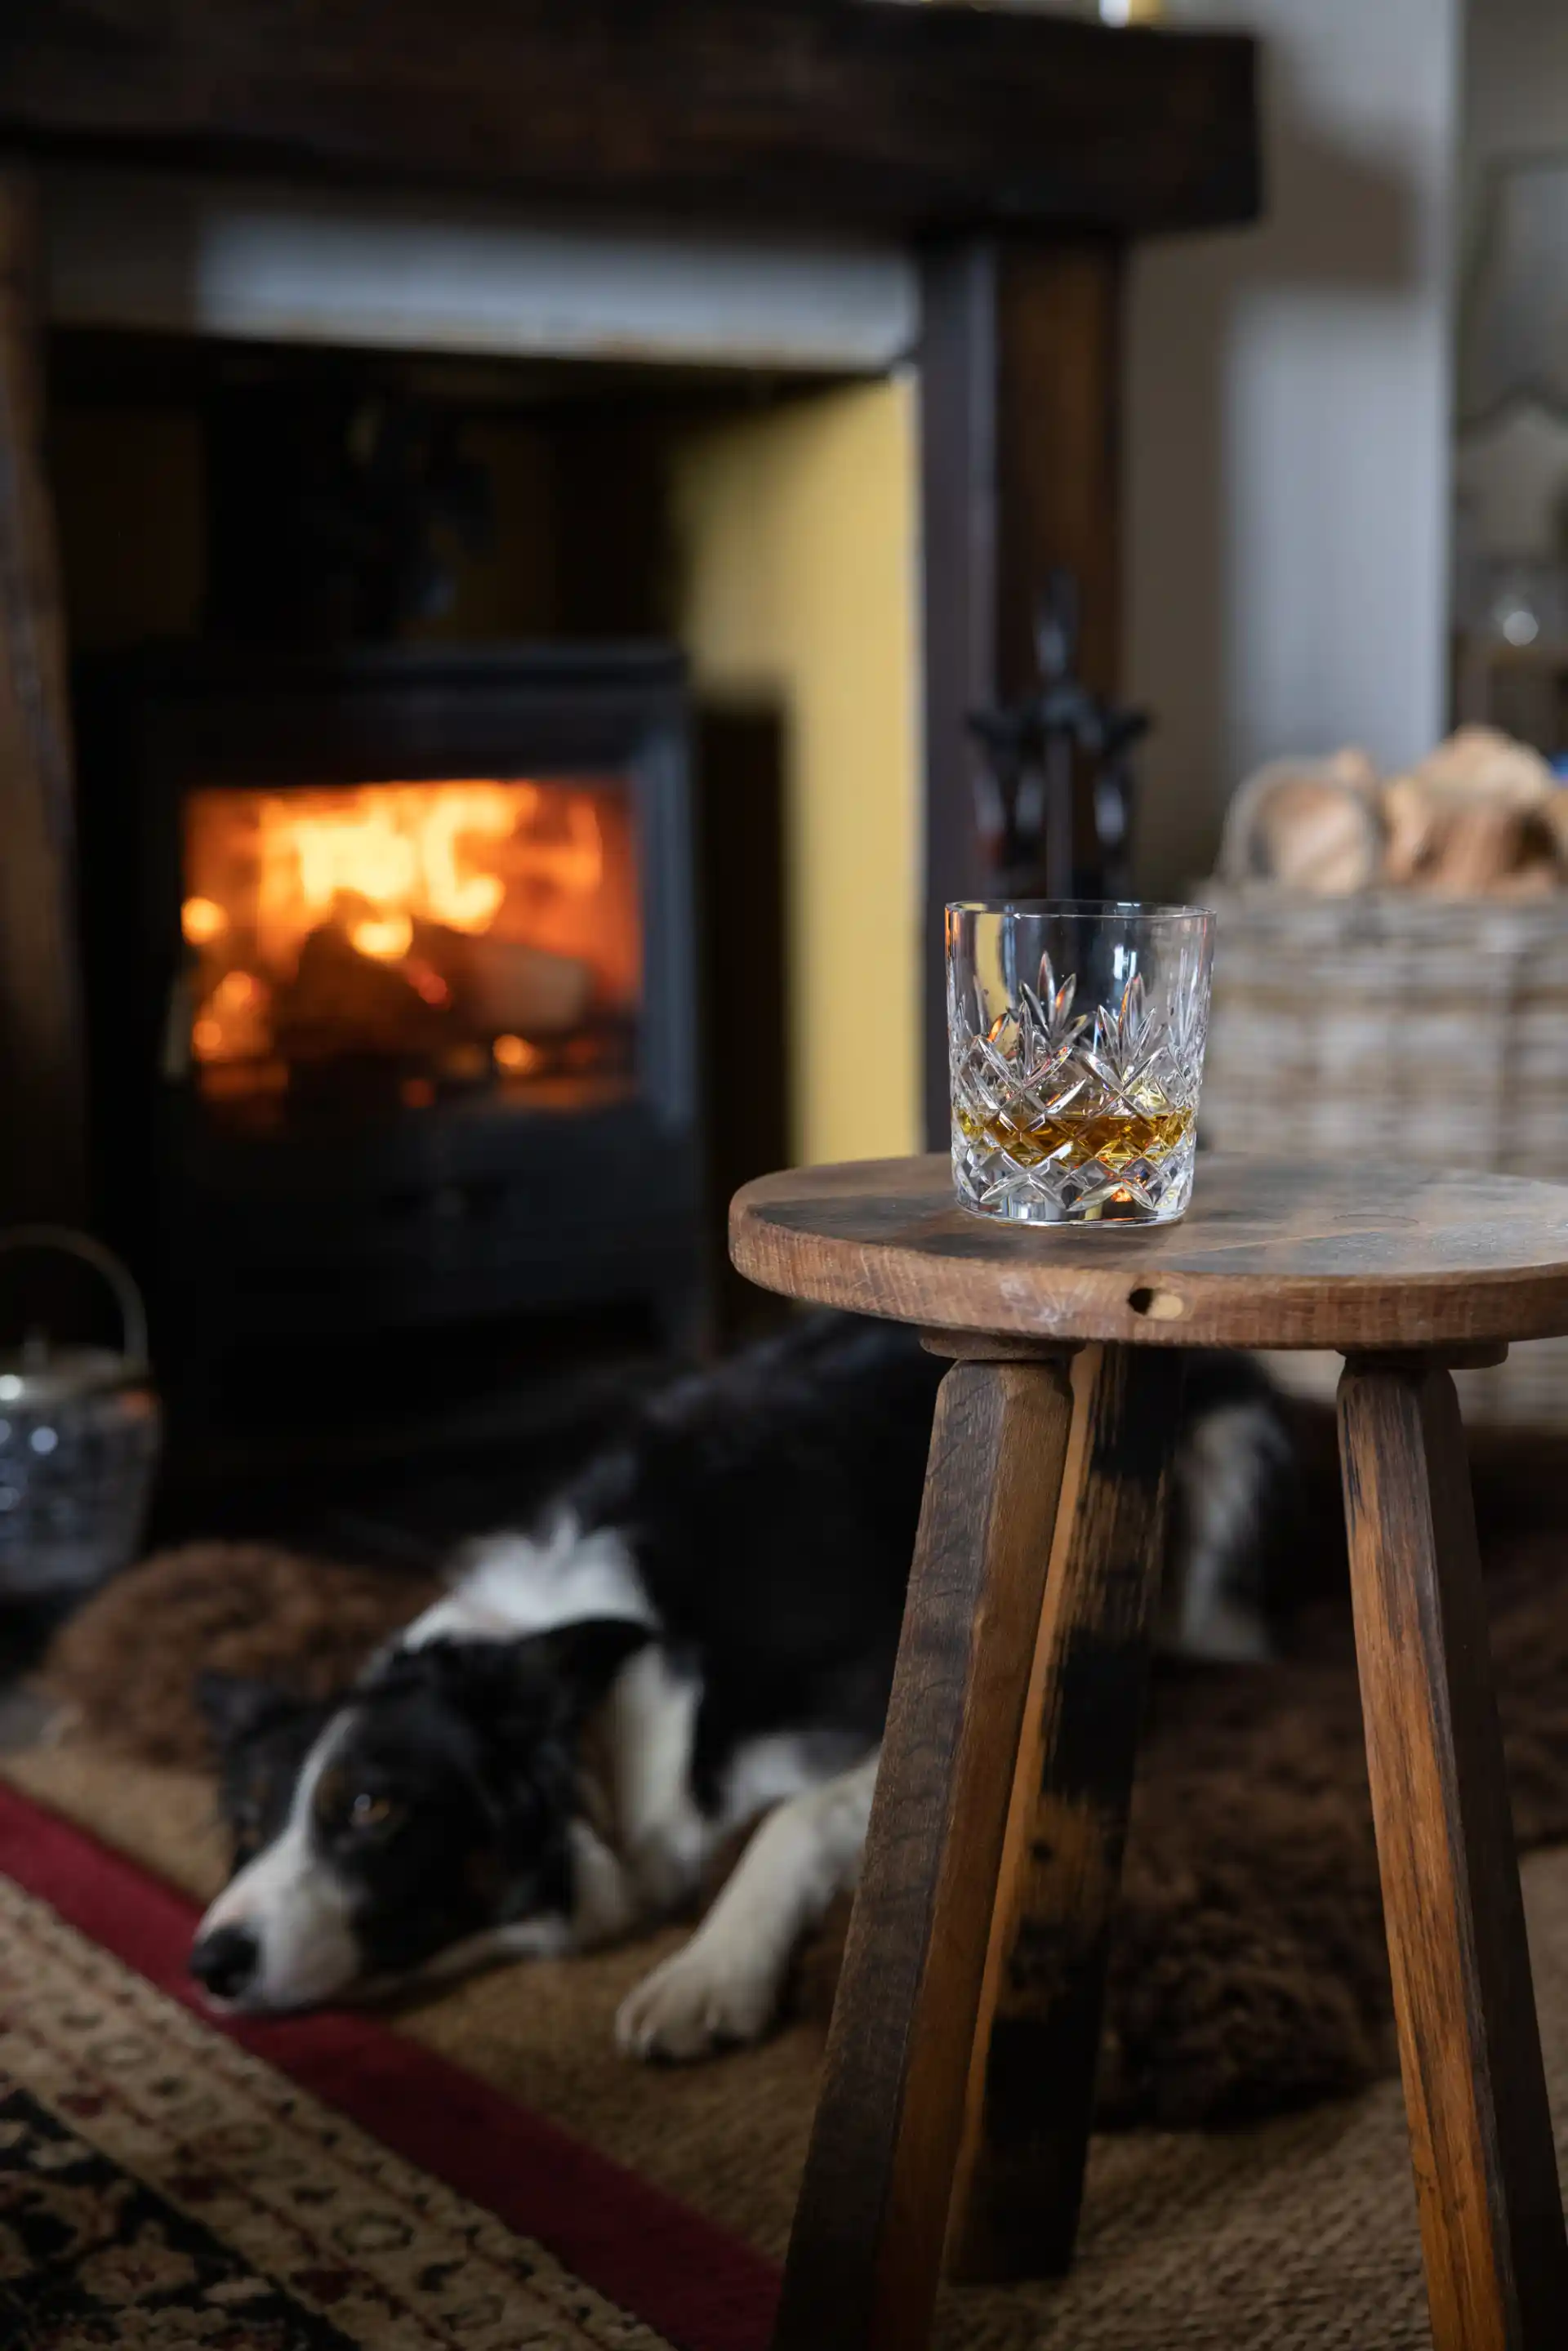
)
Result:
{"points": [[203, 920], [234, 1023], [515, 1055], [427, 982], [385, 936]]}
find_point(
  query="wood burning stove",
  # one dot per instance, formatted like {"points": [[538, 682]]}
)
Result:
{"points": [[390, 988]]}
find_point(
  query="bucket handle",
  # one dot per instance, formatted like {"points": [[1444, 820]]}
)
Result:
{"points": [[127, 1297]]}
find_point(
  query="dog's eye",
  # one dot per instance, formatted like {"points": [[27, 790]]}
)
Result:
{"points": [[368, 1812], [246, 1809]]}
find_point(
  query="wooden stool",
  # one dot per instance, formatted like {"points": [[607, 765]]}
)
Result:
{"points": [[956, 2098]]}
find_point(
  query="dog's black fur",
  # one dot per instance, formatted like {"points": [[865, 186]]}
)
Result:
{"points": [[769, 1508]]}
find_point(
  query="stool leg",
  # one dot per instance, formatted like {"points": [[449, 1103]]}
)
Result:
{"points": [[1475, 2093], [867, 2245], [1019, 2177]]}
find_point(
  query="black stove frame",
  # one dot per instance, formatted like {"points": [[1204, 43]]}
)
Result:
{"points": [[459, 1215]]}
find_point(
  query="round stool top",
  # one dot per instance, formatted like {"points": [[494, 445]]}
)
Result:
{"points": [[1270, 1254]]}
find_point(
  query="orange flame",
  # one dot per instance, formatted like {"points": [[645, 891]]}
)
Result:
{"points": [[455, 885], [408, 849]]}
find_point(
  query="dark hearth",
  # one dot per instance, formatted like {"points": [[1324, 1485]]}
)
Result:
{"points": [[391, 996]]}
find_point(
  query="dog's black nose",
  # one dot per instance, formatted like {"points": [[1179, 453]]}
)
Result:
{"points": [[224, 1962]]}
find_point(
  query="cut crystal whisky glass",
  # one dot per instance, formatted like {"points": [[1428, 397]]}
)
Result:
{"points": [[1076, 1036]]}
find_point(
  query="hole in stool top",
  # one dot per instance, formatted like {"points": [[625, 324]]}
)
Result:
{"points": [[1159, 1305]]}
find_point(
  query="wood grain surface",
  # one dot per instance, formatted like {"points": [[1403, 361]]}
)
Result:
{"points": [[1268, 1255], [867, 2245], [42, 1080], [1019, 2177], [1480, 2132], [905, 118]]}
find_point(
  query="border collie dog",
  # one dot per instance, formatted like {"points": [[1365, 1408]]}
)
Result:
{"points": [[700, 1636]]}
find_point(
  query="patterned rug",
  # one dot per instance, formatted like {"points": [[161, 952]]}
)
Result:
{"points": [[162, 2183], [485, 2169]]}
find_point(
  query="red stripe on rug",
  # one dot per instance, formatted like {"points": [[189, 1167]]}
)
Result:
{"points": [[641, 2249]]}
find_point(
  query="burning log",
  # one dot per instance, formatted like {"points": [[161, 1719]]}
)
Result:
{"points": [[372, 983], [342, 1001], [508, 987]]}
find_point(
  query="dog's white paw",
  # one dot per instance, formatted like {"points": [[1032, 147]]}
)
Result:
{"points": [[698, 2001]]}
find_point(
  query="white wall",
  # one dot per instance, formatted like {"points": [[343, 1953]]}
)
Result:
{"points": [[1289, 403], [260, 261]]}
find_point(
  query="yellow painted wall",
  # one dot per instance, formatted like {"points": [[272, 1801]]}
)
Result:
{"points": [[797, 537]]}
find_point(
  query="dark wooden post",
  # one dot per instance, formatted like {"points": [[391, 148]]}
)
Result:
{"points": [[1019, 2177], [1020, 396], [1475, 2088], [867, 2245], [42, 1145]]}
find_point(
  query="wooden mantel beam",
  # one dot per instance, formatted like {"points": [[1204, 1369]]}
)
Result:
{"points": [[870, 115]]}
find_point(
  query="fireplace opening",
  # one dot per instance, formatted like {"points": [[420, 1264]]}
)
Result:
{"points": [[394, 1003], [394, 947]]}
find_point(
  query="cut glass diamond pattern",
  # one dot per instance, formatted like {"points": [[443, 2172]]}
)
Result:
{"points": [[1066, 1116]]}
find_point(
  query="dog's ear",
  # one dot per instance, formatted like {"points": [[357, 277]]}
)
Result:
{"points": [[584, 1659], [543, 1684], [236, 1705]]}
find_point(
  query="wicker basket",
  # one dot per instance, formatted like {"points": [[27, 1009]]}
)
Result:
{"points": [[1388, 1028]]}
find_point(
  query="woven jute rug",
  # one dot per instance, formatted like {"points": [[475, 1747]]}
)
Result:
{"points": [[485, 2169]]}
